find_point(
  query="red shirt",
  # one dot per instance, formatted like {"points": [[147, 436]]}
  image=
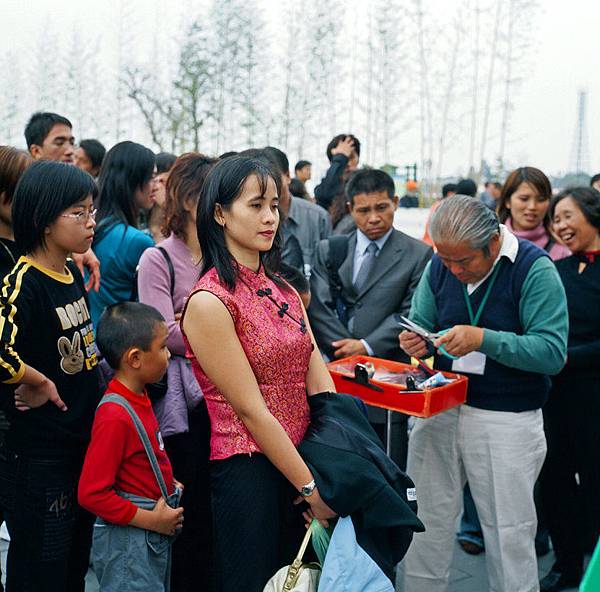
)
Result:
{"points": [[116, 459]]}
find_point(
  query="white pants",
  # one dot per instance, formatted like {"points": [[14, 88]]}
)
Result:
{"points": [[501, 455]]}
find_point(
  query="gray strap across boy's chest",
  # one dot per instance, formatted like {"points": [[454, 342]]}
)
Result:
{"points": [[141, 430]]}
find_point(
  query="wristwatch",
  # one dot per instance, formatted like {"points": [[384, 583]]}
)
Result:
{"points": [[306, 490]]}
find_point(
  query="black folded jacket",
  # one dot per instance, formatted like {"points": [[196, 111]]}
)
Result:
{"points": [[356, 478]]}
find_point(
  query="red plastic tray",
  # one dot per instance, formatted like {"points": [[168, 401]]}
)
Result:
{"points": [[423, 404]]}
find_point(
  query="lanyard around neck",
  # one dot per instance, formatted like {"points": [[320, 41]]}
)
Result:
{"points": [[475, 319]]}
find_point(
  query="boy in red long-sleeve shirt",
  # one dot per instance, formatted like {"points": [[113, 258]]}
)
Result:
{"points": [[117, 482]]}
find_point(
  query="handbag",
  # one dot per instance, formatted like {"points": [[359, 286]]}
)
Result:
{"points": [[299, 576]]}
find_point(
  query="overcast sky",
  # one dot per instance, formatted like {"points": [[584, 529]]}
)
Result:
{"points": [[566, 58]]}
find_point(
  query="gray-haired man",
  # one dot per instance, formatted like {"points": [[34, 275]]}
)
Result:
{"points": [[504, 305]]}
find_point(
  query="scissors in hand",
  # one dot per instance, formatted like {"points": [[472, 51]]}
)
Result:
{"points": [[426, 335]]}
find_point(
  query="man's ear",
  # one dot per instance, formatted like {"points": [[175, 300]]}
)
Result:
{"points": [[133, 357], [35, 151], [395, 201], [494, 245]]}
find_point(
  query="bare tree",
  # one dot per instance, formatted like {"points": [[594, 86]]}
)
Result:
{"points": [[474, 107], [224, 22], [125, 38], [194, 83], [177, 117], [11, 90], [317, 110], [450, 92], [515, 55], [291, 85], [251, 93], [490, 84], [154, 109], [424, 97]]}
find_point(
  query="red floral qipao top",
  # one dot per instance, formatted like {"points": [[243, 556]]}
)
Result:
{"points": [[270, 326]]}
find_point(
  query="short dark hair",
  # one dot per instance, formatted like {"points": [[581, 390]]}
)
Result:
{"points": [[228, 154], [164, 162], [466, 187], [298, 189], [595, 178], [222, 187], [278, 158], [184, 184], [125, 325], [587, 200], [447, 188], [13, 163], [95, 151], [301, 164], [369, 181], [295, 278], [339, 138], [127, 167], [39, 126], [44, 191]]}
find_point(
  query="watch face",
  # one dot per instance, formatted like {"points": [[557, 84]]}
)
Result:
{"points": [[307, 490]]}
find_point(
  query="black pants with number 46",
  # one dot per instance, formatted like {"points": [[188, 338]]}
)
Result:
{"points": [[50, 533]]}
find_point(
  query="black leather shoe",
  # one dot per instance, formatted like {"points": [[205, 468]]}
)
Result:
{"points": [[556, 581]]}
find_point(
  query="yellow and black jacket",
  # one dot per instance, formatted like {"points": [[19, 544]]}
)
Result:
{"points": [[45, 323]]}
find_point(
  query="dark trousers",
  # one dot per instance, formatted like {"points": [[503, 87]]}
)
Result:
{"points": [[50, 533], [257, 529], [192, 557], [572, 509]]}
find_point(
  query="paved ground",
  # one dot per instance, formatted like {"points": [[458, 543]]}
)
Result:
{"points": [[468, 572]]}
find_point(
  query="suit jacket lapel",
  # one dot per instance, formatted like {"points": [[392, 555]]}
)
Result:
{"points": [[387, 258], [347, 267]]}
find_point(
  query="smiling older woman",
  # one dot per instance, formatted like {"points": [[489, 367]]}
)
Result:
{"points": [[572, 414]]}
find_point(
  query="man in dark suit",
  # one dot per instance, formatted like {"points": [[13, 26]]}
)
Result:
{"points": [[357, 298]]}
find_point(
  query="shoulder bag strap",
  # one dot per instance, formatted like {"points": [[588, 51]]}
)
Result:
{"points": [[167, 257], [139, 426], [338, 249]]}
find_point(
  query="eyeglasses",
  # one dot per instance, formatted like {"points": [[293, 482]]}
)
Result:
{"points": [[82, 217]]}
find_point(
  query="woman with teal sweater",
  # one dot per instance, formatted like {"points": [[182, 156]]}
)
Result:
{"points": [[126, 185]]}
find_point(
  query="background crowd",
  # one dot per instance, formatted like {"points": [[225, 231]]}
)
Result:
{"points": [[513, 271]]}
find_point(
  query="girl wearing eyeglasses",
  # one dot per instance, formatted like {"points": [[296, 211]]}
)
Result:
{"points": [[51, 382]]}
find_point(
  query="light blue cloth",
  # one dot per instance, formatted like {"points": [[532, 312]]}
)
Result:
{"points": [[119, 249], [347, 567]]}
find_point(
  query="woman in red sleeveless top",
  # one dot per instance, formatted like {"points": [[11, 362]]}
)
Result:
{"points": [[254, 356]]}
